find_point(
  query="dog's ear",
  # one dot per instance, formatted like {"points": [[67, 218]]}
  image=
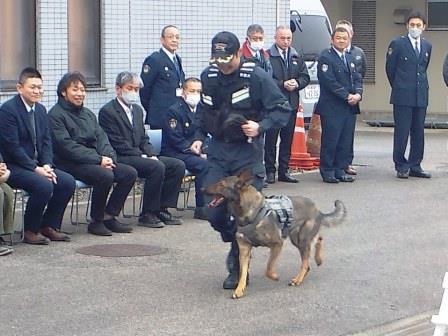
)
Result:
{"points": [[245, 177]]}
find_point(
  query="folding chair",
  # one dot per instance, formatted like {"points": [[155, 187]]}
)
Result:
{"points": [[23, 198], [75, 203]]}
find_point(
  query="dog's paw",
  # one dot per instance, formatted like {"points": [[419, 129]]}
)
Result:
{"points": [[238, 293], [272, 275], [294, 282]]}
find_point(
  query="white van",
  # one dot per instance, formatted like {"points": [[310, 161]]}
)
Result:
{"points": [[311, 33]]}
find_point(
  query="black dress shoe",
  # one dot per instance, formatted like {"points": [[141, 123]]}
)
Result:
{"points": [[419, 173], [345, 178], [150, 220], [115, 226], [402, 174], [287, 178], [168, 218], [200, 213], [98, 228], [270, 178], [330, 179]]}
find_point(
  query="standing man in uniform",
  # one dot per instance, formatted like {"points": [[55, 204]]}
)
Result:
{"points": [[360, 60], [291, 75], [407, 60], [253, 48], [241, 101], [162, 76], [25, 142], [179, 131], [340, 94]]}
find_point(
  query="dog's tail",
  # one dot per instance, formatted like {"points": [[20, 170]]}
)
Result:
{"points": [[336, 217]]}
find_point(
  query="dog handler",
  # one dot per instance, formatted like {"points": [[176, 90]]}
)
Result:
{"points": [[240, 102]]}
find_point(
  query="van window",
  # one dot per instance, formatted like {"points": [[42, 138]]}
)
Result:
{"points": [[311, 35]]}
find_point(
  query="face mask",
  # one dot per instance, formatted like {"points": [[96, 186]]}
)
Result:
{"points": [[129, 97], [415, 32], [256, 46], [193, 100]]}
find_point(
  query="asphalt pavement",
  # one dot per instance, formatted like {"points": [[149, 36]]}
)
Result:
{"points": [[384, 264]]}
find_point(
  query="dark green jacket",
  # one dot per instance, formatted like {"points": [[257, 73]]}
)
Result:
{"points": [[77, 136]]}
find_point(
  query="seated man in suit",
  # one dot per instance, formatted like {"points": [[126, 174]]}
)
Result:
{"points": [[122, 120], [25, 143], [81, 147], [179, 128], [6, 207]]}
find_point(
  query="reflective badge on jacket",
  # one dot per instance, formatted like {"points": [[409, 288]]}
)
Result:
{"points": [[240, 95]]}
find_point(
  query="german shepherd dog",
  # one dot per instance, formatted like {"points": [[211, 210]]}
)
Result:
{"points": [[257, 226]]}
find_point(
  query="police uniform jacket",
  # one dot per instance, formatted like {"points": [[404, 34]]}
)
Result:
{"points": [[445, 70], [248, 92], [179, 129], [16, 142], [337, 80], [407, 73], [160, 80], [127, 139], [359, 58], [77, 136], [296, 69]]}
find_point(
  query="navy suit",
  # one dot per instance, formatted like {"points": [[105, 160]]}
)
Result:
{"points": [[179, 130], [22, 157], [407, 76], [337, 80], [160, 80]]}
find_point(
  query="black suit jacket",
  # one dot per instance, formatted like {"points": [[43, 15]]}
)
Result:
{"points": [[16, 143], [126, 139]]}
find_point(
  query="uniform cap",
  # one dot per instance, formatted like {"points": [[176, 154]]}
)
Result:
{"points": [[224, 46]]}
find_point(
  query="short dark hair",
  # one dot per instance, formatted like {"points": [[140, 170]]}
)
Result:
{"points": [[339, 30], [68, 79], [190, 80], [28, 72], [162, 34], [416, 15]]}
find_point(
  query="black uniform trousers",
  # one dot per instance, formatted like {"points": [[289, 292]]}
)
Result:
{"points": [[284, 153], [409, 121], [227, 159], [199, 168], [163, 178], [102, 180], [42, 193], [336, 142]]}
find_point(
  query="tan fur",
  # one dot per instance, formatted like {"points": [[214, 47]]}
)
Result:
{"points": [[244, 202]]}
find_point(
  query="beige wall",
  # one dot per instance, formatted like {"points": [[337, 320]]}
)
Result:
{"points": [[376, 97]]}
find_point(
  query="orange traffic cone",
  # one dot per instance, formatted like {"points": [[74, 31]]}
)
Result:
{"points": [[300, 158], [314, 137]]}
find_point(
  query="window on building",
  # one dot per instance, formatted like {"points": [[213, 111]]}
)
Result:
{"points": [[84, 39], [17, 41], [437, 14], [364, 25]]}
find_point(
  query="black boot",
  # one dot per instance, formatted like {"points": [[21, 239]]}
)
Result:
{"points": [[233, 267]]}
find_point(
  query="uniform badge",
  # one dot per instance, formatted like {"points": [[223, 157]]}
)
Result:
{"points": [[187, 124], [324, 67], [358, 57], [146, 68], [390, 51], [173, 123]]}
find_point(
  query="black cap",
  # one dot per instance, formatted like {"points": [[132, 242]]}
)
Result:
{"points": [[224, 46]]}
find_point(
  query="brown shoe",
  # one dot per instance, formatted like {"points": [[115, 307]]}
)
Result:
{"points": [[54, 235], [350, 170], [35, 238]]}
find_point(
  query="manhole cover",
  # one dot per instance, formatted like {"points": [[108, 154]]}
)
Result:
{"points": [[121, 250]]}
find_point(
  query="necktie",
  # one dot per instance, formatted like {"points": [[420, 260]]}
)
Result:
{"points": [[33, 130], [131, 110], [344, 61], [417, 51], [176, 66], [285, 57]]}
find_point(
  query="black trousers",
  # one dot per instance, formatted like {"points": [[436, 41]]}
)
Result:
{"points": [[102, 180], [163, 178], [42, 193], [286, 133], [409, 122]]}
